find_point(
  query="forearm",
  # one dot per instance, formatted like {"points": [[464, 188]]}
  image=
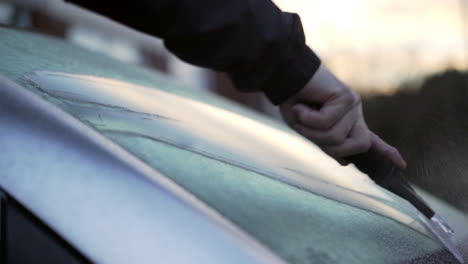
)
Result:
{"points": [[258, 45]]}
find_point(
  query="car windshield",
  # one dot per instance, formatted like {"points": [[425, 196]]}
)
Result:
{"points": [[276, 186], [282, 190]]}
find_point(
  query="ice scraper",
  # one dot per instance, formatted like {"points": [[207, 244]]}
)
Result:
{"points": [[386, 174]]}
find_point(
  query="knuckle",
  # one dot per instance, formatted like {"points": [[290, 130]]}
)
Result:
{"points": [[364, 145], [328, 122], [316, 121], [352, 98], [325, 122], [336, 138], [303, 116]]}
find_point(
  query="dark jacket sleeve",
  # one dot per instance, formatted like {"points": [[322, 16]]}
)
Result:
{"points": [[258, 45]]}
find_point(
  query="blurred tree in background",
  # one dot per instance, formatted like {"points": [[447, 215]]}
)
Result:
{"points": [[428, 123]]}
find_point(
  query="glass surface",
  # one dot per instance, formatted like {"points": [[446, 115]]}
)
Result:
{"points": [[264, 179], [289, 218]]}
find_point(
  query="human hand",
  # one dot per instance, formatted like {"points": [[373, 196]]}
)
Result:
{"points": [[329, 113]]}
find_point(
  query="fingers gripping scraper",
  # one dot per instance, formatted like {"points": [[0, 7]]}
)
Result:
{"points": [[384, 173]]}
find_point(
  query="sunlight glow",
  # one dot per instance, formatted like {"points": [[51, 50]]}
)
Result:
{"points": [[377, 44]]}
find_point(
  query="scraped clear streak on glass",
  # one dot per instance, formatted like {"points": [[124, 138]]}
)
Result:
{"points": [[442, 224], [444, 233]]}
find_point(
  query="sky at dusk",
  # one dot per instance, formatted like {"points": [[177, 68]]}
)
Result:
{"points": [[377, 44]]}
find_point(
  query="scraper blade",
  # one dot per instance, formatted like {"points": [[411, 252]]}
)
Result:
{"points": [[444, 233], [384, 173]]}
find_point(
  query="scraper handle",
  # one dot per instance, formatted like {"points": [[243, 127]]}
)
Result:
{"points": [[383, 172]]}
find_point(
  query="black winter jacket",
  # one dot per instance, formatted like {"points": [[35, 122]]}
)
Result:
{"points": [[258, 45]]}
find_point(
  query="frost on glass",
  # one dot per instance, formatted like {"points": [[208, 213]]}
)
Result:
{"points": [[273, 184]]}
